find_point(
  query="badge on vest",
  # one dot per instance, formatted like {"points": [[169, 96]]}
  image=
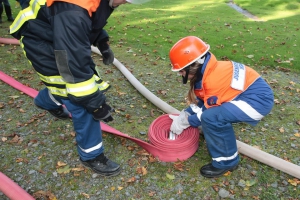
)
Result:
{"points": [[212, 100], [238, 76]]}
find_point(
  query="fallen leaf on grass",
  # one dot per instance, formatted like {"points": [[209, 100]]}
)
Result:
{"points": [[297, 134], [22, 111], [170, 176], [250, 183], [131, 180], [179, 166], [60, 164], [14, 97], [77, 169], [151, 193], [227, 173], [85, 195], [152, 159], [120, 188], [294, 181], [64, 170], [281, 130], [141, 170], [44, 195]]}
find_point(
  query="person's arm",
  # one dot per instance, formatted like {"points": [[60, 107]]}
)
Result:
{"points": [[195, 114]]}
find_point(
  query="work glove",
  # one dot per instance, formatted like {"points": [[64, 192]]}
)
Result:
{"points": [[107, 54], [179, 122], [103, 113]]}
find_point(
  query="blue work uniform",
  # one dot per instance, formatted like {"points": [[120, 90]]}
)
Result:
{"points": [[229, 97]]}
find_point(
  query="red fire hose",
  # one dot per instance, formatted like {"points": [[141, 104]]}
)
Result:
{"points": [[12, 190], [164, 149], [9, 41]]}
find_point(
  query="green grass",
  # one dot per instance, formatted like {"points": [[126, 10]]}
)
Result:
{"points": [[230, 34], [141, 37]]}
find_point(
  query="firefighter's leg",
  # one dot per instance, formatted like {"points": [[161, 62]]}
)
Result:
{"points": [[220, 141], [39, 52], [89, 141], [46, 101], [8, 11]]}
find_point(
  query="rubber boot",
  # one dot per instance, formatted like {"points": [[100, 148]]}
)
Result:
{"points": [[8, 13], [1, 11]]}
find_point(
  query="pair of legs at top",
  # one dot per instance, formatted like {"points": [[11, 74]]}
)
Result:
{"points": [[7, 9]]}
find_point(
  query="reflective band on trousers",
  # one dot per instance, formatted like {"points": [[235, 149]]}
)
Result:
{"points": [[219, 159], [28, 13], [98, 146]]}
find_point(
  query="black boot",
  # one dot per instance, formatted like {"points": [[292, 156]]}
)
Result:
{"points": [[8, 13], [103, 166], [60, 113], [209, 171]]}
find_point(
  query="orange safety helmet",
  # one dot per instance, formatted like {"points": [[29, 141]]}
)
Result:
{"points": [[186, 51]]}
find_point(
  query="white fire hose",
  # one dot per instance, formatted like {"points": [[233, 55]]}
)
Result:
{"points": [[247, 150]]}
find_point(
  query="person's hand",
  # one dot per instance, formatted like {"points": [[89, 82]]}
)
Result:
{"points": [[179, 122], [116, 3], [107, 54], [103, 113]]}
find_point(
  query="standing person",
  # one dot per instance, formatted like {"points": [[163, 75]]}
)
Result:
{"points": [[7, 8], [57, 41], [221, 93]]}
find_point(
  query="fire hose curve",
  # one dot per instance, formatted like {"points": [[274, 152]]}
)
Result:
{"points": [[182, 148], [254, 153]]}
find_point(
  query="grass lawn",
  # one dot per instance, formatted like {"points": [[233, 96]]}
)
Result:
{"points": [[141, 37]]}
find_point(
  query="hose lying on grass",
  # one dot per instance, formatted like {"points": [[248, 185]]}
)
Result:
{"points": [[243, 148]]}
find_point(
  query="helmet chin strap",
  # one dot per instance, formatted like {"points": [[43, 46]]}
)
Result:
{"points": [[185, 78], [187, 69]]}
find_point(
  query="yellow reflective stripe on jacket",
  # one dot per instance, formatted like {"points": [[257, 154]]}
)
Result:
{"points": [[52, 79], [28, 13], [83, 88], [58, 91], [97, 78]]}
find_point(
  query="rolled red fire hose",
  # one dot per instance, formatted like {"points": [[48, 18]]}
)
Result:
{"points": [[155, 133]]}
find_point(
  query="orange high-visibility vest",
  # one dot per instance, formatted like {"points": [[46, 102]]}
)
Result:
{"points": [[90, 5], [217, 81]]}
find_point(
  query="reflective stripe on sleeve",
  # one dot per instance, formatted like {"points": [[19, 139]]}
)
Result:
{"points": [[52, 79], [28, 13], [55, 84], [58, 91]]}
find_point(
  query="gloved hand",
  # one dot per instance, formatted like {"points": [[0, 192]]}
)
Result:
{"points": [[179, 122], [107, 54], [103, 113]]}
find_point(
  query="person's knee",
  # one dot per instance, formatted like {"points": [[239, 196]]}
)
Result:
{"points": [[208, 116]]}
